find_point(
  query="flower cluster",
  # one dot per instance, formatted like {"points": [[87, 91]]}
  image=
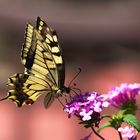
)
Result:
{"points": [[128, 132], [86, 105], [125, 93]]}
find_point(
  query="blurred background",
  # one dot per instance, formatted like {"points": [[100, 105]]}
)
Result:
{"points": [[102, 37]]}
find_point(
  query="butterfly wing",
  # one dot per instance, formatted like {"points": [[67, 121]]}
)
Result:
{"points": [[40, 71], [26, 88], [51, 45], [50, 37], [33, 53]]}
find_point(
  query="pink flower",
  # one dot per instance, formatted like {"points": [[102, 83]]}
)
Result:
{"points": [[128, 132], [86, 105], [125, 93]]}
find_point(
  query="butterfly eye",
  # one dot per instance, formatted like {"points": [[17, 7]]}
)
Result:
{"points": [[29, 101]]}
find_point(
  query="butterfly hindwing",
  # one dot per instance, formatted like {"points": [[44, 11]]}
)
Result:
{"points": [[22, 93]]}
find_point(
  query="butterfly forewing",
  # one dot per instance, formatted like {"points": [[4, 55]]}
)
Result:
{"points": [[29, 46], [51, 38], [32, 56]]}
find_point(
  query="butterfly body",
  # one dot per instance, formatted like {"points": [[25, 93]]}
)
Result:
{"points": [[44, 67]]}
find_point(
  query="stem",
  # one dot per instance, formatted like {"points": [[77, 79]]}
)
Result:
{"points": [[120, 135], [97, 133]]}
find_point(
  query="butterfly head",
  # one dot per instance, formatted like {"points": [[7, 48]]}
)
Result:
{"points": [[63, 90]]}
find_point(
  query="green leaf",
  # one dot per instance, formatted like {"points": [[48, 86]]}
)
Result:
{"points": [[107, 124], [121, 113], [106, 116], [132, 120]]}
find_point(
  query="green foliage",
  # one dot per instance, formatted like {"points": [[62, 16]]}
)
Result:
{"points": [[132, 120], [105, 125]]}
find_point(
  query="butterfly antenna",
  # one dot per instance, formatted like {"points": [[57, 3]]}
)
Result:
{"points": [[74, 91], [77, 90], [75, 76]]}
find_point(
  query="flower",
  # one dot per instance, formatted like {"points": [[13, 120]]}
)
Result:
{"points": [[125, 93], [86, 105], [128, 132]]}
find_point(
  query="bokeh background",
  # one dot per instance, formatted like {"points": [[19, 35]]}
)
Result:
{"points": [[102, 37]]}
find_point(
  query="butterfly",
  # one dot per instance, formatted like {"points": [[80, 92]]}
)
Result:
{"points": [[44, 65]]}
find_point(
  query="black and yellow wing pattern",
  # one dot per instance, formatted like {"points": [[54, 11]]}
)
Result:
{"points": [[44, 67]]}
